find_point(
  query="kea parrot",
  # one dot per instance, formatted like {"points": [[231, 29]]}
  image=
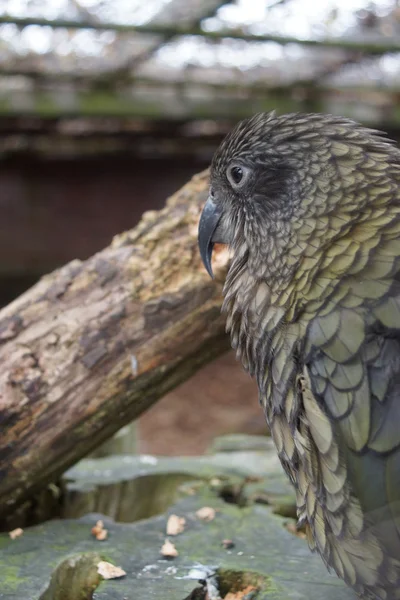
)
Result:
{"points": [[309, 205]]}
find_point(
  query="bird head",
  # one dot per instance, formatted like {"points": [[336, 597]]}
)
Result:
{"points": [[284, 188]]}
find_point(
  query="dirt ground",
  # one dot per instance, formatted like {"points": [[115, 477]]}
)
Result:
{"points": [[219, 399]]}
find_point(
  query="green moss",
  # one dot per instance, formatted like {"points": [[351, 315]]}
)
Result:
{"points": [[234, 581], [10, 578], [75, 578]]}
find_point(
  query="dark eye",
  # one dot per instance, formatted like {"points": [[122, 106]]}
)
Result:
{"points": [[237, 175]]}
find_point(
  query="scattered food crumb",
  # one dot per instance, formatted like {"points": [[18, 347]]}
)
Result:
{"points": [[206, 513], [228, 544], [98, 527], [99, 532], [168, 550], [102, 535], [292, 528], [241, 594], [109, 571], [16, 533], [175, 525], [215, 482]]}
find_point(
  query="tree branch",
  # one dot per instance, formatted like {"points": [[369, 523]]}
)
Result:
{"points": [[96, 343]]}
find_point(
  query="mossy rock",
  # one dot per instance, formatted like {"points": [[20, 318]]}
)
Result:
{"points": [[249, 492], [128, 488], [265, 558]]}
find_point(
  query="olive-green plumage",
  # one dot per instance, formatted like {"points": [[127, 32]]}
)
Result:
{"points": [[310, 205]]}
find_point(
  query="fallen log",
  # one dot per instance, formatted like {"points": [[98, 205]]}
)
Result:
{"points": [[94, 344]]}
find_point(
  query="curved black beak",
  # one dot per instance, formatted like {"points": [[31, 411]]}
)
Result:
{"points": [[208, 223]]}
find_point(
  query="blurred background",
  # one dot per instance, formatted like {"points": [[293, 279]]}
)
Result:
{"points": [[109, 106]]}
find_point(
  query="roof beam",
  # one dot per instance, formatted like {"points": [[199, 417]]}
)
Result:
{"points": [[366, 47]]}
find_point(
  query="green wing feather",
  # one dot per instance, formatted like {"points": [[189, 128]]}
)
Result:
{"points": [[353, 362]]}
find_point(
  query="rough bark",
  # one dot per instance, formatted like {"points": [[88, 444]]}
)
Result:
{"points": [[95, 343]]}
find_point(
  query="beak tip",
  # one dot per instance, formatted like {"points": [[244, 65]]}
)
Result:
{"points": [[208, 223], [206, 255]]}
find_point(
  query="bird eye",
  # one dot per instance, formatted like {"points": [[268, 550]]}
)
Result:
{"points": [[236, 176]]}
